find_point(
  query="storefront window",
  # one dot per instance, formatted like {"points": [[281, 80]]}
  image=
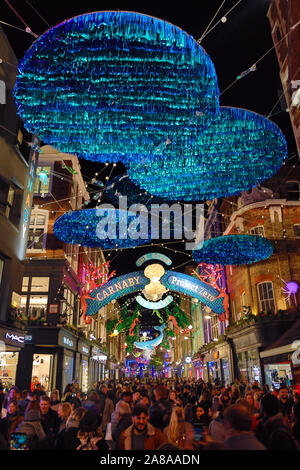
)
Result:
{"points": [[39, 284], [249, 366], [42, 370], [84, 375], [254, 366], [242, 365], [8, 368], [68, 366], [226, 374], [278, 374]]}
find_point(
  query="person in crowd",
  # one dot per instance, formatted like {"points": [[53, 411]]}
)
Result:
{"points": [[160, 411], [200, 416], [102, 396], [64, 411], [12, 419], [32, 427], [296, 421], [108, 409], [189, 409], [248, 404], [90, 433], [141, 435], [272, 430], [93, 402], [67, 439], [54, 399], [49, 419], [217, 428], [23, 402], [135, 397], [235, 394], [12, 395], [238, 422], [179, 432], [173, 396], [285, 403], [144, 400], [125, 420]]}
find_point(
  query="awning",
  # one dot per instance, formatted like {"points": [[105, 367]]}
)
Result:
{"points": [[284, 344]]}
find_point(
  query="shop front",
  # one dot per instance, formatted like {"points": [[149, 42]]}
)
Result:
{"points": [[48, 358], [97, 365], [251, 344], [217, 365], [11, 343], [84, 377]]}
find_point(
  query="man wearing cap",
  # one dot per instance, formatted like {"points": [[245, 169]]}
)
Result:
{"points": [[141, 435]]}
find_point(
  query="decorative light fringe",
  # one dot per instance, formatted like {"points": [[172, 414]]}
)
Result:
{"points": [[234, 250], [111, 86], [82, 227], [238, 150]]}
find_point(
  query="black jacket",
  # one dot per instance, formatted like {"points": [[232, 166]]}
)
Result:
{"points": [[67, 439], [160, 413]]}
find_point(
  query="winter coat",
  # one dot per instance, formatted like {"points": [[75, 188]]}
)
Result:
{"points": [[108, 410], [153, 439], [67, 439], [160, 413], [124, 423], [32, 427]]}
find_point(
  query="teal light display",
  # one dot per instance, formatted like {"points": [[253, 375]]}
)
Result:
{"points": [[235, 152], [106, 228], [234, 250], [111, 86]]}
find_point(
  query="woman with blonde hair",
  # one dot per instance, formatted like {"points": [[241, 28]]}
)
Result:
{"points": [[67, 439], [64, 411], [179, 432]]}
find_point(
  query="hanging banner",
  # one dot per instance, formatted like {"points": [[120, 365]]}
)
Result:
{"points": [[136, 281]]}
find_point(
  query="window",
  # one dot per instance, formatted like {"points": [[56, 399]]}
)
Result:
{"points": [[214, 327], [38, 230], [10, 201], [2, 92], [259, 230], [42, 182], [67, 306], [35, 306], [297, 230], [266, 297], [292, 191]]}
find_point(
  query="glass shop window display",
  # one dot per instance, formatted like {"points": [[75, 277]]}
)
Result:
{"points": [[42, 370], [8, 367], [84, 375]]}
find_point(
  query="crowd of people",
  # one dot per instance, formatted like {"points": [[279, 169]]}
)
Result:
{"points": [[152, 414]]}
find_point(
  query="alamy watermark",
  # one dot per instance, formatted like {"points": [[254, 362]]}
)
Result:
{"points": [[153, 222]]}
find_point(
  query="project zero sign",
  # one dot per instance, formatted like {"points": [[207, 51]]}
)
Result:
{"points": [[136, 281]]}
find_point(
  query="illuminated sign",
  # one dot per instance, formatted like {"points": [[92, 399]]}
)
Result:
{"points": [[68, 342], [154, 305], [14, 337], [151, 256], [136, 281]]}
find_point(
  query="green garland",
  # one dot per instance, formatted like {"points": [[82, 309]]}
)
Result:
{"points": [[130, 323]]}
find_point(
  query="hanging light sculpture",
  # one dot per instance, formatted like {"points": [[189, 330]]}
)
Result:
{"points": [[234, 250], [112, 85], [235, 152]]}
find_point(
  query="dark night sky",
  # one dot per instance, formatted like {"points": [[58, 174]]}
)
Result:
{"points": [[233, 47]]}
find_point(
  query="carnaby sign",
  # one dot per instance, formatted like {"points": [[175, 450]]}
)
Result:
{"points": [[136, 281]]}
